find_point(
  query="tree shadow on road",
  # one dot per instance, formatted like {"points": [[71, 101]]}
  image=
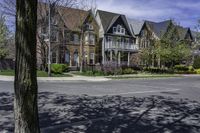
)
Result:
{"points": [[109, 114]]}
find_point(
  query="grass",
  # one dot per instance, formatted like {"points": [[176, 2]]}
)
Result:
{"points": [[39, 74]]}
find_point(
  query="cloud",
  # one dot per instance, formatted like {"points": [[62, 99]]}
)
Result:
{"points": [[184, 11]]}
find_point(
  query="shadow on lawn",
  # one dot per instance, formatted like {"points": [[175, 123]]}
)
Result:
{"points": [[109, 114]]}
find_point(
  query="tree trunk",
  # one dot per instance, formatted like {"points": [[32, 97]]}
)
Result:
{"points": [[25, 85]]}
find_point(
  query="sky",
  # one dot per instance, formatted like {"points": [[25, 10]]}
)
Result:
{"points": [[184, 12]]}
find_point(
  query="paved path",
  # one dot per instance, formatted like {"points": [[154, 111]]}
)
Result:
{"points": [[60, 79]]}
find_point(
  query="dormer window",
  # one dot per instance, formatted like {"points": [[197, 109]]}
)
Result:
{"points": [[119, 30], [114, 29]]}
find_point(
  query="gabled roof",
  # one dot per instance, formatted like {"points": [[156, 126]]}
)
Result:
{"points": [[195, 34], [109, 18], [182, 32], [71, 17], [135, 26], [159, 28]]}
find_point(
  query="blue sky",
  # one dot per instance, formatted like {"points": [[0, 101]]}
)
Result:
{"points": [[184, 12]]}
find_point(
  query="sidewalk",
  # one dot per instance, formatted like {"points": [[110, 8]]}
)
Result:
{"points": [[62, 79]]}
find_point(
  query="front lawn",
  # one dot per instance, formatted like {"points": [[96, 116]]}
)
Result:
{"points": [[39, 74]]}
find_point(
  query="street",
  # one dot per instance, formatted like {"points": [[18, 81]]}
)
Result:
{"points": [[168, 105], [186, 87]]}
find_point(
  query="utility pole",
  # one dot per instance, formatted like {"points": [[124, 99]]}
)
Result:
{"points": [[49, 50]]}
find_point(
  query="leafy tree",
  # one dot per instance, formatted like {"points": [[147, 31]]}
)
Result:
{"points": [[171, 50], [196, 63], [3, 37], [25, 84]]}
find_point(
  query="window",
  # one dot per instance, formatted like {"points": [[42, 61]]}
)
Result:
{"points": [[123, 31], [76, 58], [92, 39], [86, 37], [67, 57], [109, 41], [91, 58], [76, 38], [114, 29], [118, 30], [89, 26], [54, 57], [66, 36], [54, 35]]}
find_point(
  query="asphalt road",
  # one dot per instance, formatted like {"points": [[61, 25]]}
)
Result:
{"points": [[187, 87]]}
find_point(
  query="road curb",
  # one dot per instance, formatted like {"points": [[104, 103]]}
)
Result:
{"points": [[60, 79]]}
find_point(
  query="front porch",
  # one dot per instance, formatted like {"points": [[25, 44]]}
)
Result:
{"points": [[122, 58]]}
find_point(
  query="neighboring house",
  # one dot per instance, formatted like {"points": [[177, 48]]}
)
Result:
{"points": [[185, 34], [70, 30], [78, 35], [136, 27], [116, 39], [196, 43]]}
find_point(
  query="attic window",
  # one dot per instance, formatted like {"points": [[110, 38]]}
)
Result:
{"points": [[119, 30], [114, 29]]}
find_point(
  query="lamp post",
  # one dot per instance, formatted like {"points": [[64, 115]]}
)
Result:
{"points": [[49, 48]]}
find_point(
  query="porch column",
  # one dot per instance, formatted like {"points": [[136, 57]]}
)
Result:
{"points": [[128, 58], [70, 61], [119, 58], [78, 61], [111, 55]]}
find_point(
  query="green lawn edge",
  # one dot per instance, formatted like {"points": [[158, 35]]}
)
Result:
{"points": [[39, 74]]}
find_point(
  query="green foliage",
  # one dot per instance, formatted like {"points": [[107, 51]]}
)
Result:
{"points": [[129, 71], [158, 70], [173, 52], [181, 68], [3, 37], [197, 71], [59, 68], [191, 68], [196, 63], [3, 53]]}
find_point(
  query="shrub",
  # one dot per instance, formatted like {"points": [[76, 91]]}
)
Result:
{"points": [[98, 73], [111, 68], [59, 68], [197, 71], [129, 71], [196, 64], [181, 68], [156, 70], [118, 71], [191, 68], [65, 67]]}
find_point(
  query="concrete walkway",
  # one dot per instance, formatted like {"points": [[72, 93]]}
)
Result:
{"points": [[55, 79]]}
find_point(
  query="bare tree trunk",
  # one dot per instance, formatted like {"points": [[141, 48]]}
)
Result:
{"points": [[25, 100]]}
